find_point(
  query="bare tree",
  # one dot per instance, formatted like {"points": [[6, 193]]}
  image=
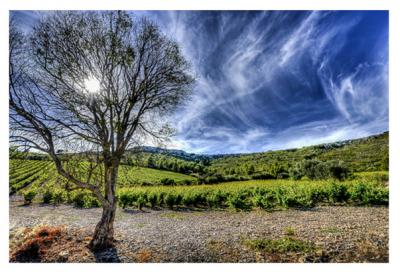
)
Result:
{"points": [[93, 83]]}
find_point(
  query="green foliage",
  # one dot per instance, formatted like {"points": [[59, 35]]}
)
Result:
{"points": [[310, 167], [141, 201], [369, 194], [172, 200], [47, 196], [282, 245], [338, 192], [266, 199], [84, 199], [126, 199], [385, 161], [377, 176], [29, 196], [166, 162], [315, 169], [189, 199], [167, 181], [129, 176], [58, 197], [366, 154], [152, 199], [289, 231], [216, 199], [240, 201]]}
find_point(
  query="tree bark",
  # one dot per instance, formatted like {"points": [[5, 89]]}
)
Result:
{"points": [[103, 236]]}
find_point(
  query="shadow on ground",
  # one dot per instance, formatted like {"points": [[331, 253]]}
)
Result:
{"points": [[109, 255]]}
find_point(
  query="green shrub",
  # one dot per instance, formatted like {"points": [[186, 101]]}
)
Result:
{"points": [[367, 194], [299, 198], [338, 192], [283, 175], [378, 196], [216, 199], [125, 199], [358, 193], [263, 176], [188, 199], [214, 179], [281, 196], [167, 181], [315, 169], [171, 199], [265, 199], [199, 198], [58, 197], [289, 231], [78, 200], [160, 198], [152, 199], [47, 196], [85, 200], [29, 196], [239, 201], [141, 201], [337, 170], [296, 172], [318, 195], [282, 245]]}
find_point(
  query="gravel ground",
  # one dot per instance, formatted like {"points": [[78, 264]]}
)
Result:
{"points": [[340, 234]]}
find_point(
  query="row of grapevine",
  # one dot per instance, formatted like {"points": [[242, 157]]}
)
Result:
{"points": [[25, 174]]}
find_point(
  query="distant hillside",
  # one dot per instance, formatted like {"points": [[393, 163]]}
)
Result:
{"points": [[179, 154], [364, 154]]}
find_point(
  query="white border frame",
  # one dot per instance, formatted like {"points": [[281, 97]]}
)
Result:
{"points": [[394, 128]]}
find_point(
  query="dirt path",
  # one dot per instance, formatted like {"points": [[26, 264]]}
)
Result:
{"points": [[338, 234]]}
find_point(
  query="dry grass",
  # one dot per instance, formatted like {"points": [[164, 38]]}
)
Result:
{"points": [[144, 256]]}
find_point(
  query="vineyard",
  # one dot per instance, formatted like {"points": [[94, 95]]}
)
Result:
{"points": [[41, 176], [141, 187]]}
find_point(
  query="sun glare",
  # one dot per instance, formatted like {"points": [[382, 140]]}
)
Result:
{"points": [[92, 85]]}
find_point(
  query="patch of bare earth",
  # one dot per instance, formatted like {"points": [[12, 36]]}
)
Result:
{"points": [[323, 234]]}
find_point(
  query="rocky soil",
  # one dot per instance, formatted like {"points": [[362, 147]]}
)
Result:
{"points": [[338, 234]]}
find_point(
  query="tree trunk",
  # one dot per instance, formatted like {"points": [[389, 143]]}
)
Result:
{"points": [[103, 236]]}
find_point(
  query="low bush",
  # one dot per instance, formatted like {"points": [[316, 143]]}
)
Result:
{"points": [[282, 245], [85, 200], [125, 199], [160, 198], [367, 194], [338, 192], [172, 200], [58, 197], [216, 199], [263, 176], [152, 199], [315, 169], [141, 201], [188, 199], [265, 199], [239, 201], [29, 196], [47, 196], [167, 181]]}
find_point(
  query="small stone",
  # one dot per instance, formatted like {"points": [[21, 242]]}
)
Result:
{"points": [[63, 256]]}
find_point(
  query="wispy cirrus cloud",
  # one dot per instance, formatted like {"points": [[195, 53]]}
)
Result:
{"points": [[278, 79], [299, 77]]}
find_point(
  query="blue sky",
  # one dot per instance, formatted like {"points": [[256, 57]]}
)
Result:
{"points": [[276, 79]]}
